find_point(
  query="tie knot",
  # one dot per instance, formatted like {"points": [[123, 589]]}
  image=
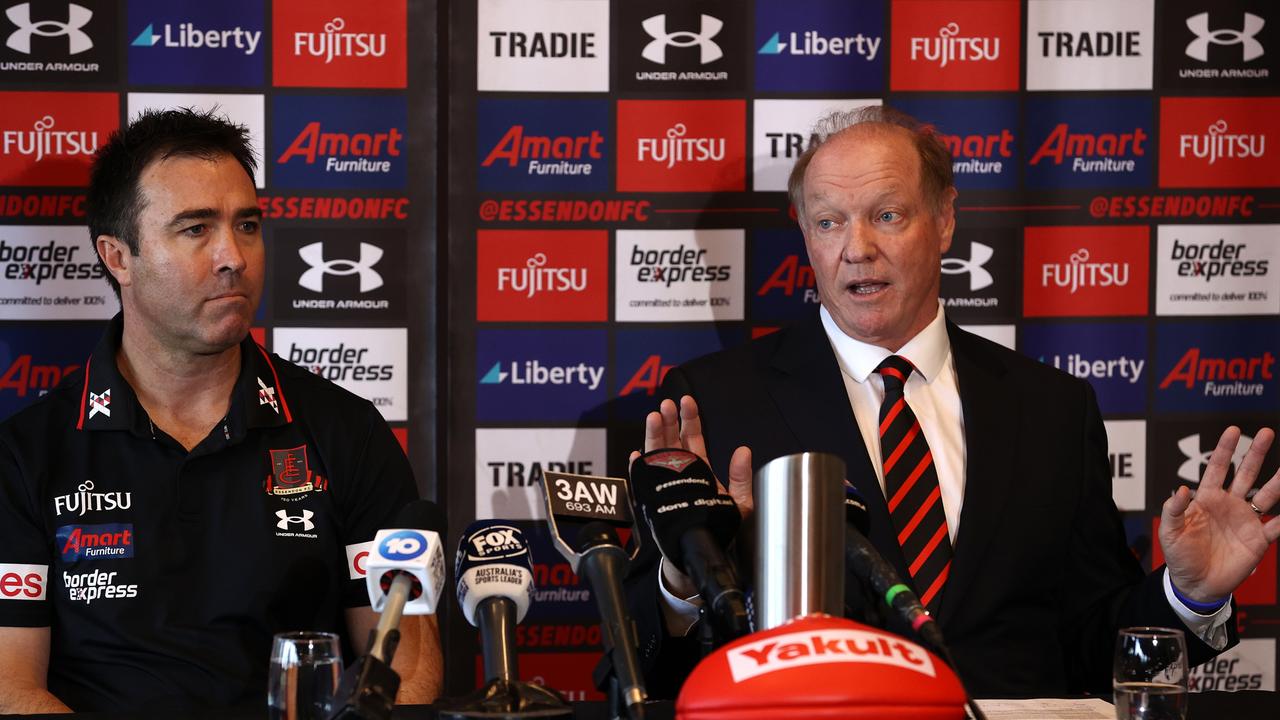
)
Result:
{"points": [[895, 370]]}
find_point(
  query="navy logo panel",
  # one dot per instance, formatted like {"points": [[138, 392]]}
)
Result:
{"points": [[982, 135], [820, 46], [217, 43], [1095, 142], [645, 356], [541, 375], [320, 141], [1219, 366], [537, 145], [782, 287], [1111, 356]]}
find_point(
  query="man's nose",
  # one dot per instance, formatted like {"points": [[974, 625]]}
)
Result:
{"points": [[859, 243], [229, 256]]}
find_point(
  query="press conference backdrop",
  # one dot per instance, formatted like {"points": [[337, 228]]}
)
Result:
{"points": [[612, 203]]}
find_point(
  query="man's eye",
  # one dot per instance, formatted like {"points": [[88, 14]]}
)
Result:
{"points": [[195, 230], [888, 216], [250, 226], [826, 224]]}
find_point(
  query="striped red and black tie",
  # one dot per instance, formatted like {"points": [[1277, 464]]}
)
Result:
{"points": [[911, 487]]}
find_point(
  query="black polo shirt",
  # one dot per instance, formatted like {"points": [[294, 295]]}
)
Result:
{"points": [[164, 573]]}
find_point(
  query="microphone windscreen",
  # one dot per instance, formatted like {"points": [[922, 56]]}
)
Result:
{"points": [[677, 492]]}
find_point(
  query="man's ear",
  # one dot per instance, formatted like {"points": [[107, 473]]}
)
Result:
{"points": [[116, 256]]}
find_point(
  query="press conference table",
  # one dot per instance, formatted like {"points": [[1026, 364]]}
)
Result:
{"points": [[1203, 706]]}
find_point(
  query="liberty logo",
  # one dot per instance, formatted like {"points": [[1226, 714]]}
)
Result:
{"points": [[656, 50], [979, 254], [313, 255], [78, 40], [1247, 37]]}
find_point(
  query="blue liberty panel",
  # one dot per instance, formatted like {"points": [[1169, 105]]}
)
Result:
{"points": [[1089, 142], [782, 285], [981, 133], [1217, 366], [326, 141], [196, 43], [543, 145], [541, 375], [644, 356], [1111, 356], [34, 359], [804, 45]]}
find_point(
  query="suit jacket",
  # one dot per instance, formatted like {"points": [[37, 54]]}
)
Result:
{"points": [[1042, 576]]}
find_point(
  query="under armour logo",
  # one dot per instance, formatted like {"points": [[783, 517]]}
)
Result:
{"points": [[313, 255], [656, 51], [78, 40], [1189, 470], [1199, 48], [100, 403], [979, 254], [286, 520], [267, 396]]}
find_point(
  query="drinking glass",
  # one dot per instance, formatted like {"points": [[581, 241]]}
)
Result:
{"points": [[305, 668], [1150, 674]]}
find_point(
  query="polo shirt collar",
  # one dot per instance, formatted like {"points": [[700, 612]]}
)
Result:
{"points": [[927, 351]]}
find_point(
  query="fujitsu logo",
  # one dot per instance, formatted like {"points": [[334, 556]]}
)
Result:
{"points": [[313, 278], [43, 141], [1250, 49], [656, 50], [334, 43], [1196, 458], [85, 499], [1216, 144], [78, 40], [535, 277], [1079, 272], [979, 254], [676, 148], [949, 47]]}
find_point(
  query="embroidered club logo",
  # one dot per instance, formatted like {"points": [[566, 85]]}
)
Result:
{"points": [[100, 403], [291, 475], [267, 396]]}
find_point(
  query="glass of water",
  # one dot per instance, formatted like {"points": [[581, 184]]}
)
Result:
{"points": [[1150, 674], [305, 668]]}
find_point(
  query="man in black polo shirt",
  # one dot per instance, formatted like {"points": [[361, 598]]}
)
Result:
{"points": [[186, 496]]}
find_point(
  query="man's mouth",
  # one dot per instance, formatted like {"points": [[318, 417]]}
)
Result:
{"points": [[869, 287]]}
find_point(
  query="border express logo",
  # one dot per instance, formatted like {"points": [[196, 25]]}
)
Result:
{"points": [[322, 142], [339, 274], [543, 145], [1111, 356], [782, 287], [782, 130], [94, 542], [1219, 366], [58, 42], [983, 136], [681, 45], [49, 138], [334, 43], [1219, 142], [955, 45], [979, 275], [541, 375], [542, 46], [510, 464], [542, 275], [679, 275], [821, 47], [1089, 142], [1217, 270], [34, 358], [1219, 46], [247, 110], [1084, 271], [370, 362], [196, 43], [682, 145], [645, 356], [1090, 44], [51, 273]]}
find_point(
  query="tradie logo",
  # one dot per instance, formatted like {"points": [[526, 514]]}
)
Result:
{"points": [[100, 403], [44, 141], [656, 50], [813, 43], [78, 40], [1079, 272], [1216, 144], [949, 47], [334, 43], [267, 396], [1247, 37], [1196, 458], [187, 35], [535, 277], [676, 148], [304, 519], [313, 255], [979, 254]]}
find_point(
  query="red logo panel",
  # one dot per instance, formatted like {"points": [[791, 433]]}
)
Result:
{"points": [[569, 673], [1085, 271], [682, 146], [950, 45], [1219, 142], [49, 138], [542, 275], [335, 43]]}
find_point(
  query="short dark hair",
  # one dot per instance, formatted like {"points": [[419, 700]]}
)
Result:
{"points": [[114, 201], [935, 159]]}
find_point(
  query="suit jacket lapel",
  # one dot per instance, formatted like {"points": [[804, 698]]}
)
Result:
{"points": [[990, 429], [808, 388]]}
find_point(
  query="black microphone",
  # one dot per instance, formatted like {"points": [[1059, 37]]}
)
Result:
{"points": [[405, 575], [692, 524]]}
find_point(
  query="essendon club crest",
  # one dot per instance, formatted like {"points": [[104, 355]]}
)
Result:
{"points": [[291, 475]]}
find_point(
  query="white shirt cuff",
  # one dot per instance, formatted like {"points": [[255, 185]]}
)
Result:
{"points": [[680, 614], [1212, 629]]}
